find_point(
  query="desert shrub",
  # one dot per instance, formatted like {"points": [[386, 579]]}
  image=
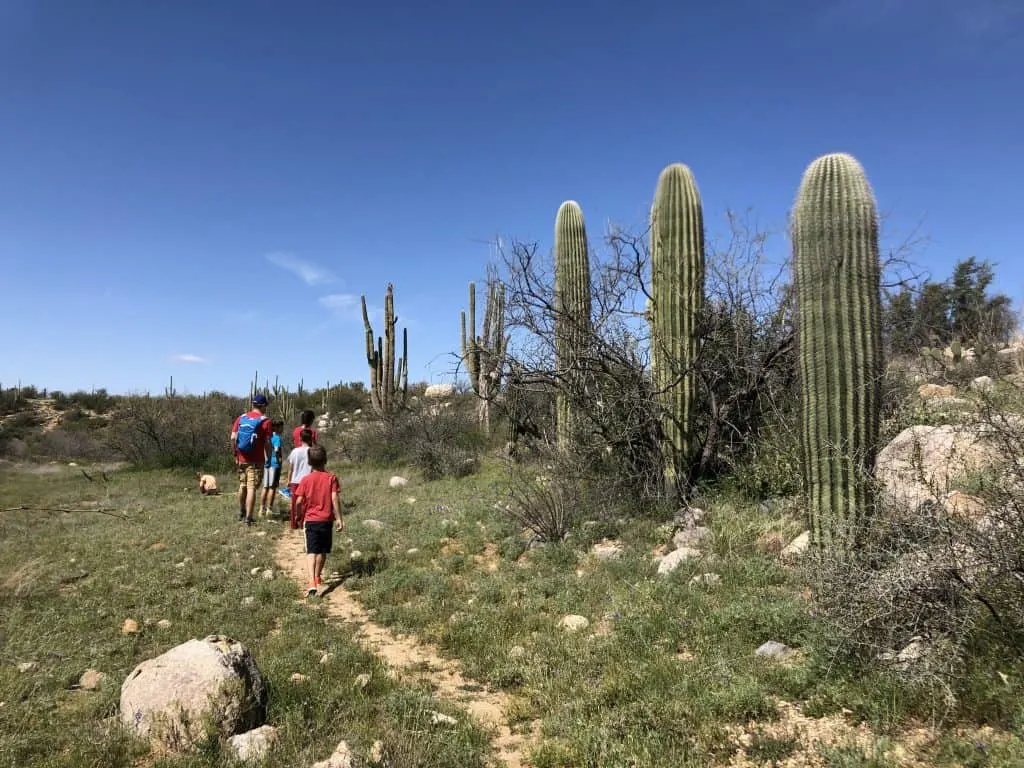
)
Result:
{"points": [[190, 432], [440, 438], [15, 399], [70, 444], [98, 401]]}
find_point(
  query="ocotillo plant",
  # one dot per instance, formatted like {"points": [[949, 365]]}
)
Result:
{"points": [[389, 379], [838, 276], [484, 354], [677, 283], [572, 314]]}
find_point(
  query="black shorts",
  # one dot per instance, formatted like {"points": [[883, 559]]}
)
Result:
{"points": [[319, 537]]}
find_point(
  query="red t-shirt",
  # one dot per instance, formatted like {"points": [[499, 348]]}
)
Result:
{"points": [[315, 490], [258, 454], [296, 436]]}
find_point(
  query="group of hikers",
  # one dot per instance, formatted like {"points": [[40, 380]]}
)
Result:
{"points": [[314, 493]]}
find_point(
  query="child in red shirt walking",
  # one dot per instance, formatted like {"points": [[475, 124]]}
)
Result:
{"points": [[305, 422], [318, 498]]}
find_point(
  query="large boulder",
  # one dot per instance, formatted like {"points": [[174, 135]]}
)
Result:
{"points": [[439, 390], [922, 464], [177, 697]]}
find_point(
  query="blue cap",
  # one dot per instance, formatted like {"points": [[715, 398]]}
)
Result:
{"points": [[259, 400]]}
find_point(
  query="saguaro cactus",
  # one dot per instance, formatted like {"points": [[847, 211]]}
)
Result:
{"points": [[484, 354], [572, 313], [677, 280], [389, 382], [838, 276]]}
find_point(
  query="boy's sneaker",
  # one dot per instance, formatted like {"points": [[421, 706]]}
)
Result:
{"points": [[311, 590], [249, 521]]}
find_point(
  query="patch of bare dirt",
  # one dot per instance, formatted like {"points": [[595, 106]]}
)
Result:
{"points": [[414, 659]]}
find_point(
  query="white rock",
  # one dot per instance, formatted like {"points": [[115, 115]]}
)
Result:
{"points": [[983, 384], [27, 666], [773, 649], [439, 718], [439, 390], [412, 551], [169, 698], [397, 482], [164, 624], [374, 525], [342, 757], [253, 746], [298, 677], [327, 658], [574, 623], [255, 571], [677, 557], [362, 680], [268, 574], [516, 652], [248, 600], [607, 550], [706, 580], [376, 756], [797, 546]]}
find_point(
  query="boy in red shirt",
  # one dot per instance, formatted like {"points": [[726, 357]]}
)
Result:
{"points": [[305, 422], [254, 430], [318, 499]]}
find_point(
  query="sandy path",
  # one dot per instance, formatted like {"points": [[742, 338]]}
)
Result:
{"points": [[417, 660]]}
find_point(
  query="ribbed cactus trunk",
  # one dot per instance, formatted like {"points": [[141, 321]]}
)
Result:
{"points": [[572, 316], [484, 355], [389, 377], [838, 277], [677, 287]]}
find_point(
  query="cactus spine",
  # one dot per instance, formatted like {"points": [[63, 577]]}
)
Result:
{"points": [[484, 354], [677, 280], [389, 379], [838, 277], [572, 314]]}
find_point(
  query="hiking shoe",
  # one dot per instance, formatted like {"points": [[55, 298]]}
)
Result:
{"points": [[249, 521], [311, 590]]}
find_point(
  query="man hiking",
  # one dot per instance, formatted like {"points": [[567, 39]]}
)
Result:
{"points": [[250, 439]]}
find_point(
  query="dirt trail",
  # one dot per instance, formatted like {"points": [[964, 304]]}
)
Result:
{"points": [[417, 660]]}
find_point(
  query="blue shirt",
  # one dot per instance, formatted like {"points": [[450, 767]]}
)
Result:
{"points": [[275, 451]]}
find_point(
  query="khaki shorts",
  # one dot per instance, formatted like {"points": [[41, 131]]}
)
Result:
{"points": [[250, 475]]}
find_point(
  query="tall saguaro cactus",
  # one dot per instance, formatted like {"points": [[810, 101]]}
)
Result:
{"points": [[677, 280], [572, 313], [838, 277], [484, 354], [389, 379]]}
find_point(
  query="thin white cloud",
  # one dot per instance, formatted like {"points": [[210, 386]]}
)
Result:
{"points": [[309, 273], [188, 358]]}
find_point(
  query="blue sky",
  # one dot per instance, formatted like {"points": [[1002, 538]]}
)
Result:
{"points": [[200, 189]]}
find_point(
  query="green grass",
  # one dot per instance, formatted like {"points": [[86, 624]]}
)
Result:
{"points": [[664, 675], [111, 574]]}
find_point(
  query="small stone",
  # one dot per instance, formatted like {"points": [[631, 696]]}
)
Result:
{"points": [[516, 652], [130, 627], [163, 624], [607, 550], [355, 554], [373, 525], [248, 600], [27, 666], [298, 677], [91, 680], [410, 500], [674, 559], [983, 384], [342, 757], [157, 547], [260, 533], [267, 574], [706, 580], [376, 756], [397, 482], [773, 649], [691, 537], [180, 565], [413, 551], [255, 571], [439, 718], [574, 623], [362, 680], [327, 658], [253, 746]]}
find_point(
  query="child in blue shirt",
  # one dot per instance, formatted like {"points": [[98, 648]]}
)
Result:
{"points": [[272, 470]]}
